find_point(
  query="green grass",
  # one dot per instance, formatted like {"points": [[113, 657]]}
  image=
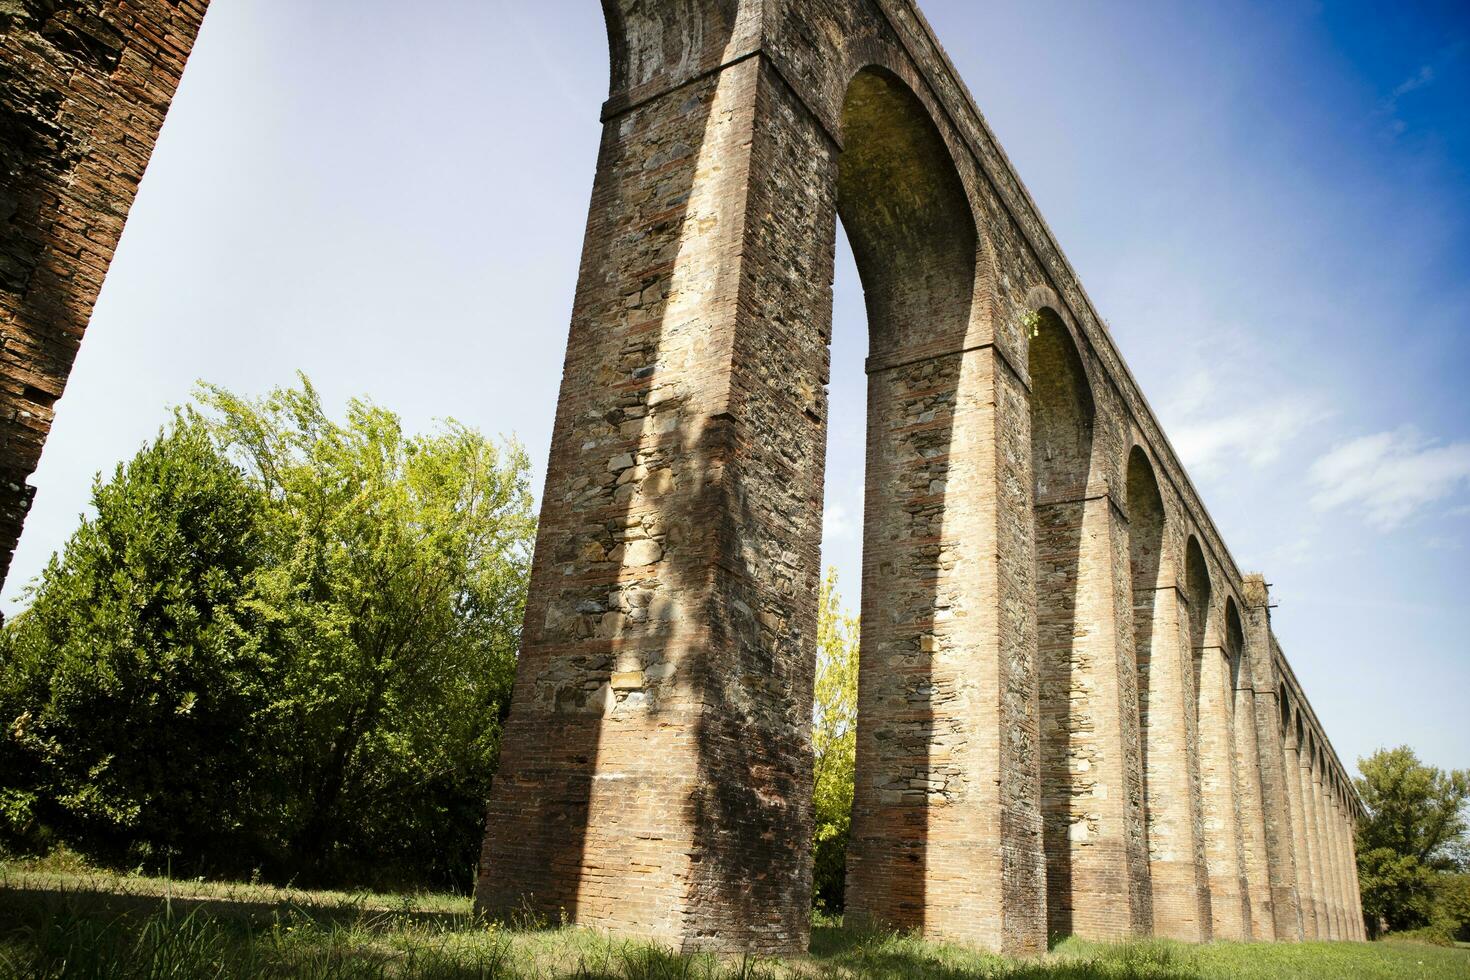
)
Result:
{"points": [[59, 920]]}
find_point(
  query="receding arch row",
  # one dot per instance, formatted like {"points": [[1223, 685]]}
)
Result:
{"points": [[1061, 453], [1095, 852], [1190, 673], [999, 512], [927, 819], [1325, 818], [656, 765], [1157, 453], [870, 60], [1296, 710]]}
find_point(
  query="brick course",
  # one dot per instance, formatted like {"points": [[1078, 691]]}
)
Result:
{"points": [[1066, 725], [1066, 722], [84, 86]]}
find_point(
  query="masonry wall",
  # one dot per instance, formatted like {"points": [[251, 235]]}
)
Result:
{"points": [[659, 745], [84, 86], [1066, 722], [926, 727], [1060, 729], [1251, 799]]}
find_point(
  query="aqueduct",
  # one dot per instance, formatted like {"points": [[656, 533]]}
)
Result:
{"points": [[1073, 715]]}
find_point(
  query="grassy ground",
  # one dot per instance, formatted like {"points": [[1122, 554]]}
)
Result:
{"points": [[59, 921]]}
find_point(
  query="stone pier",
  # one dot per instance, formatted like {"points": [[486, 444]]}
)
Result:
{"points": [[1073, 716]]}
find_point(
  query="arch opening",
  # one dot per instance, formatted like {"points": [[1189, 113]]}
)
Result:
{"points": [[1146, 566], [1219, 786], [912, 234], [1062, 412], [1255, 847], [1147, 574], [1177, 883], [1234, 643], [906, 216], [1197, 589]]}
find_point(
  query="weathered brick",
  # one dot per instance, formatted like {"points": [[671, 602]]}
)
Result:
{"points": [[73, 146], [1061, 710], [1073, 715], [1062, 713]]}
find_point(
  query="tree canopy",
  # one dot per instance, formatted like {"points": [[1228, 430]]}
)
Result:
{"points": [[1414, 836], [138, 677], [283, 641]]}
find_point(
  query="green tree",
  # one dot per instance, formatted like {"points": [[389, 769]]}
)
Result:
{"points": [[1416, 827], [137, 679], [397, 576], [834, 742], [1398, 890], [1452, 904], [283, 642]]}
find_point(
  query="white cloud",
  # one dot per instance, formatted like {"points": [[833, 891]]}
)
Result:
{"points": [[842, 515], [1424, 76], [1390, 475], [837, 522], [1220, 417], [1257, 434], [1224, 409]]}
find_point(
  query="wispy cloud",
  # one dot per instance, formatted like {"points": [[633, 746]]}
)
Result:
{"points": [[1424, 76], [837, 522], [1295, 551], [1256, 435], [1217, 421], [1389, 476]]}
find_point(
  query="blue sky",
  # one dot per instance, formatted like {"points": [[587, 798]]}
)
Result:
{"points": [[1268, 202]]}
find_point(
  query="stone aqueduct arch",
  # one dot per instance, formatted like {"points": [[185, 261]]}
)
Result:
{"points": [[1073, 715]]}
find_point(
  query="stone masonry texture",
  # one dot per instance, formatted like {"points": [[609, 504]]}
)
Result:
{"points": [[1073, 717], [84, 85]]}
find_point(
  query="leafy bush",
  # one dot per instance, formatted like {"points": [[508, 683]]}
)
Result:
{"points": [[138, 680], [1397, 889], [1452, 905], [282, 642], [397, 580], [1430, 935]]}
